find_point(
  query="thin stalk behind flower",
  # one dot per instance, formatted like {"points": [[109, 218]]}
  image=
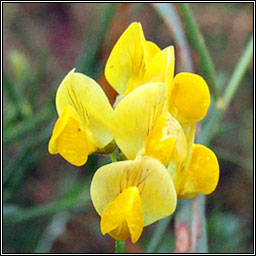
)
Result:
{"points": [[119, 246]]}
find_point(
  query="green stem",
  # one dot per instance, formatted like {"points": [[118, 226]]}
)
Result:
{"points": [[119, 246], [14, 164], [29, 125], [76, 197], [197, 41], [190, 225], [233, 158], [168, 14], [113, 156], [94, 43], [39, 76], [20, 104], [158, 234], [222, 104], [238, 73]]}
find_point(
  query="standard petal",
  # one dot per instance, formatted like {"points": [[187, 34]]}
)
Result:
{"points": [[127, 60], [90, 102], [151, 51], [190, 96], [136, 115], [69, 139], [203, 173], [161, 67], [157, 191]]}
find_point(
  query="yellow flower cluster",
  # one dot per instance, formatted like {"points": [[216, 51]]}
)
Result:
{"points": [[153, 124]]}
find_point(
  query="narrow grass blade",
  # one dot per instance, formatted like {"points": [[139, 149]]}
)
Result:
{"points": [[27, 126], [198, 43], [14, 96], [160, 229], [38, 77], [210, 129], [77, 196], [89, 55], [170, 17], [55, 228], [25, 157], [234, 158], [238, 73]]}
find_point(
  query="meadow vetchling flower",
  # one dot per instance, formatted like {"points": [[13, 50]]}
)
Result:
{"points": [[144, 126], [153, 124], [85, 119], [132, 194], [135, 61], [159, 120]]}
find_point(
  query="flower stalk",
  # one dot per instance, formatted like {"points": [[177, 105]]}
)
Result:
{"points": [[119, 246]]}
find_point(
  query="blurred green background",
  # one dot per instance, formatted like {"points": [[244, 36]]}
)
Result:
{"points": [[46, 202]]}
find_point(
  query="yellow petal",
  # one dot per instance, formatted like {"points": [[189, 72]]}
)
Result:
{"points": [[161, 67], [203, 173], [125, 208], [179, 171], [136, 115], [121, 232], [190, 95], [151, 51], [90, 102], [157, 191], [166, 141], [133, 83], [127, 59], [69, 139]]}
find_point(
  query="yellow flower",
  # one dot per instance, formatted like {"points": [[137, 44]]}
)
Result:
{"points": [[85, 116], [201, 174], [189, 99], [135, 61], [158, 115], [143, 126], [189, 102], [131, 194]]}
